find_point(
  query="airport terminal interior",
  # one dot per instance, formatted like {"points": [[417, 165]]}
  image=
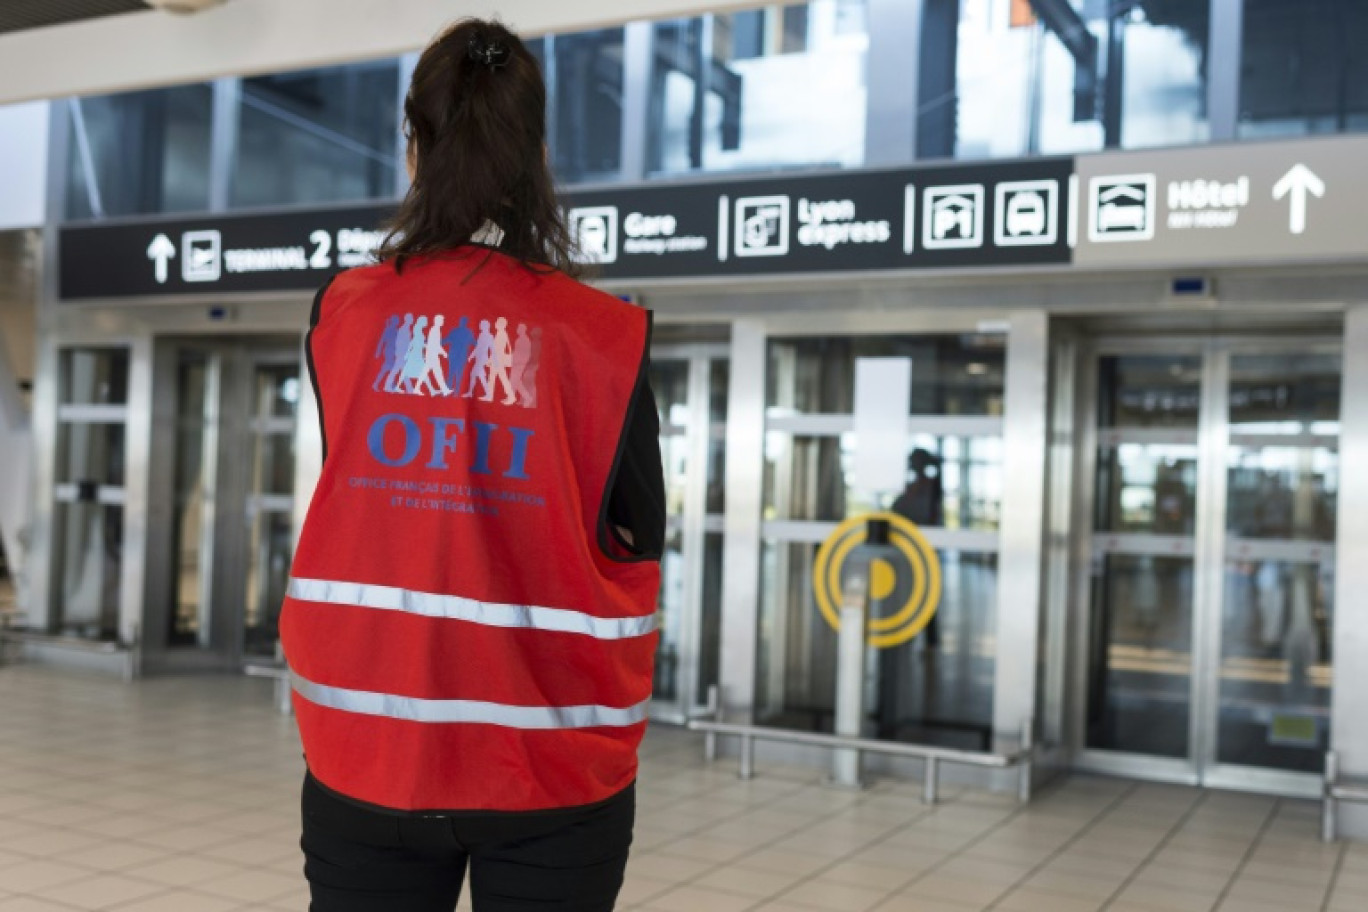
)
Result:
{"points": [[1007, 354]]}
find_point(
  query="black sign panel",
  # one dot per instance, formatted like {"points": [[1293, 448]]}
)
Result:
{"points": [[285, 251], [956, 216], [969, 216]]}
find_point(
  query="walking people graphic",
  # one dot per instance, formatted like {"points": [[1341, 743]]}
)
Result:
{"points": [[385, 351], [502, 361], [415, 365], [411, 355], [398, 352], [530, 375], [481, 356], [432, 362], [458, 344], [522, 360]]}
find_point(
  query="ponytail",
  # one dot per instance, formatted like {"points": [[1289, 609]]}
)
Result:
{"points": [[475, 118]]}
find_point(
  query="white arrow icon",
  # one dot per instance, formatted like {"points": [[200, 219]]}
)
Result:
{"points": [[160, 251], [1298, 182]]}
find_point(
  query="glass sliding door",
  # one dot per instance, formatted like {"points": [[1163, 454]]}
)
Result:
{"points": [[232, 537], [92, 418], [1210, 586], [935, 687], [690, 383]]}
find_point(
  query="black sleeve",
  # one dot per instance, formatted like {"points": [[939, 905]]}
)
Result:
{"points": [[637, 501], [315, 314]]}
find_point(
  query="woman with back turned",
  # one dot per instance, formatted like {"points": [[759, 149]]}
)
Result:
{"points": [[470, 623]]}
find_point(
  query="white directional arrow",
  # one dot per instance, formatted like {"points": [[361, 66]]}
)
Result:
{"points": [[160, 251], [1298, 182]]}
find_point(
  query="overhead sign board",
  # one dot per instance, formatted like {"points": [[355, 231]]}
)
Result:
{"points": [[1254, 203], [283, 251], [959, 215], [979, 215]]}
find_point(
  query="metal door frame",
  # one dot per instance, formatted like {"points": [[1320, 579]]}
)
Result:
{"points": [[1210, 545], [695, 523], [230, 420], [1026, 333]]}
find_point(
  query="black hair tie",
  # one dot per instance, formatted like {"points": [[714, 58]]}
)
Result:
{"points": [[493, 54]]}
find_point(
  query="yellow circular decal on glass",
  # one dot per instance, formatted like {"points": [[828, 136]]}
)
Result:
{"points": [[910, 577]]}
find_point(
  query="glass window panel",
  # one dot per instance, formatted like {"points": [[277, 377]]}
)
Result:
{"points": [[274, 464], [1303, 69], [998, 80], [936, 689], [783, 86], [139, 152], [584, 80], [1149, 391], [951, 375], [670, 610], [669, 380], [1147, 488], [710, 637], [1286, 493], [718, 388], [1285, 394], [188, 528], [90, 453], [189, 614], [271, 546], [1276, 665], [674, 458], [318, 136], [89, 560], [1140, 658], [94, 376], [277, 391], [954, 482]]}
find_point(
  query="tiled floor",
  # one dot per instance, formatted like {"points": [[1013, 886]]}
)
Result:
{"points": [[179, 795]]}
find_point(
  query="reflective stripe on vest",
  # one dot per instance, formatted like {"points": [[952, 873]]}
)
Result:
{"points": [[454, 607], [415, 709]]}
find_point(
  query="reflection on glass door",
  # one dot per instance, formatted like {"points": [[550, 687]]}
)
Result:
{"points": [[270, 502], [1212, 562], [1145, 523], [690, 385], [1283, 477], [936, 688], [88, 515], [234, 496]]}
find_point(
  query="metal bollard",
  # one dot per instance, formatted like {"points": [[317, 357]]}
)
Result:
{"points": [[850, 666], [1329, 808], [715, 713], [931, 784], [747, 757], [1027, 762]]}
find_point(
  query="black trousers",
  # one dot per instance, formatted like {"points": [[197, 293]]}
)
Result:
{"points": [[363, 860]]}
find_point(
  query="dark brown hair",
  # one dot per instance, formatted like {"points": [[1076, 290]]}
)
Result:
{"points": [[475, 118]]}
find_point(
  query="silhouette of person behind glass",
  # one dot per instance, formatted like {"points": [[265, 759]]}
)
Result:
{"points": [[923, 502], [458, 343], [402, 337], [482, 355]]}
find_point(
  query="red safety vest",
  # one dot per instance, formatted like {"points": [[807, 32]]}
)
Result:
{"points": [[458, 634]]}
